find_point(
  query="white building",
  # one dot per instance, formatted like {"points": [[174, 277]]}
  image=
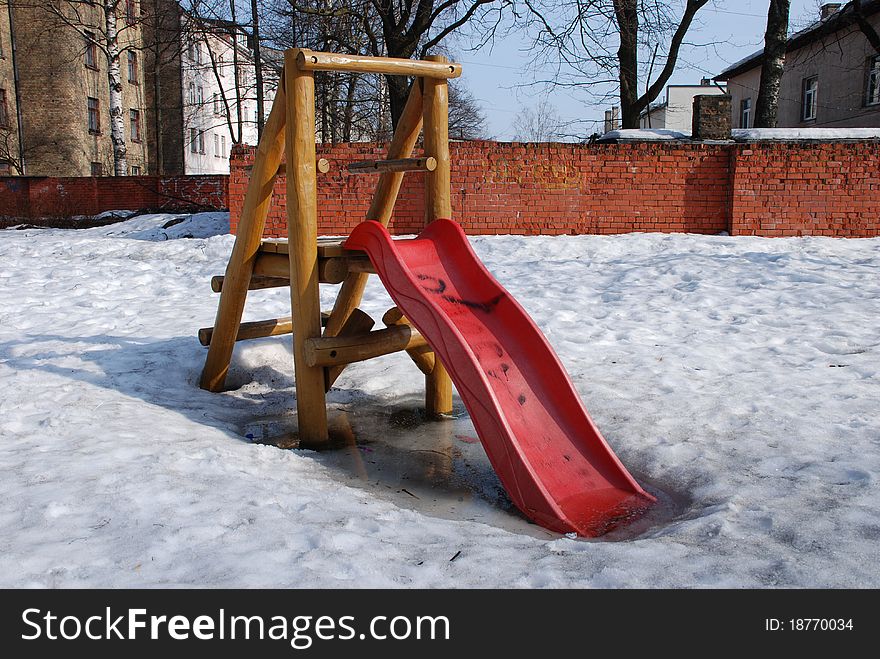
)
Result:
{"points": [[676, 112], [219, 93]]}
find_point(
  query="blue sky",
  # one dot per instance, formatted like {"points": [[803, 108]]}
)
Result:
{"points": [[495, 77]]}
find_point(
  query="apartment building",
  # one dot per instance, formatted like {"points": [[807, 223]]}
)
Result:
{"points": [[831, 77], [188, 89], [54, 80]]}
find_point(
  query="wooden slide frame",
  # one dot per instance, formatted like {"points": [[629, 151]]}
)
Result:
{"points": [[324, 344]]}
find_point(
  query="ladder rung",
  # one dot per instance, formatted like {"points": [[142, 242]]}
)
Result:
{"points": [[333, 351], [258, 329], [256, 283], [428, 164]]}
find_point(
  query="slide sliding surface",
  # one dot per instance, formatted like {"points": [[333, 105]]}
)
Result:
{"points": [[548, 454]]}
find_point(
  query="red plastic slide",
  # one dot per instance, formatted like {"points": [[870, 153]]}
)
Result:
{"points": [[549, 455]]}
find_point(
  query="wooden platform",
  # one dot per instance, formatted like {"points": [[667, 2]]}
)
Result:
{"points": [[327, 247]]}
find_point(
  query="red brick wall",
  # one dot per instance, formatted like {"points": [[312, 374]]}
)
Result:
{"points": [[49, 197], [766, 189], [822, 189], [528, 189]]}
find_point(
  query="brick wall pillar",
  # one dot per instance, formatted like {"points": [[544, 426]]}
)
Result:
{"points": [[712, 117]]}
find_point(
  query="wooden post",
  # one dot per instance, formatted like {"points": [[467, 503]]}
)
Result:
{"points": [[423, 356], [438, 204], [358, 323], [247, 245], [408, 129], [302, 235]]}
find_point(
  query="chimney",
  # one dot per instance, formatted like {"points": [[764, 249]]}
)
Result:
{"points": [[612, 119], [712, 117], [705, 82], [828, 9]]}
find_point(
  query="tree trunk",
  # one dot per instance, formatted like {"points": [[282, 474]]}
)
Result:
{"points": [[398, 92], [767, 107], [236, 76], [258, 66], [117, 122], [627, 14], [866, 27], [348, 116]]}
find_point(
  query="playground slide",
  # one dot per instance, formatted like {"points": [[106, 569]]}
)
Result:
{"points": [[549, 455]]}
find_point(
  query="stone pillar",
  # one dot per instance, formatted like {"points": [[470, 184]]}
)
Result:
{"points": [[712, 117]]}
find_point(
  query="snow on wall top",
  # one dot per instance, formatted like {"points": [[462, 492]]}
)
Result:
{"points": [[754, 134], [649, 134], [749, 134]]}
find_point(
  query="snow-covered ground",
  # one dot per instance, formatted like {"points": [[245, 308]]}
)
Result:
{"points": [[736, 377]]}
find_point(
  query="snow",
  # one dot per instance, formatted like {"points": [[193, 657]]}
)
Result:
{"points": [[761, 134], [736, 377], [750, 134], [650, 134]]}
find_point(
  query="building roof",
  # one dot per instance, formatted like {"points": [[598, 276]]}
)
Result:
{"points": [[659, 105], [839, 20]]}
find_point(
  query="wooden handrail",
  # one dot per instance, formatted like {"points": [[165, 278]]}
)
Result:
{"points": [[310, 60]]}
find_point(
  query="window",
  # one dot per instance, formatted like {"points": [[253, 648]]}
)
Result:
{"points": [[130, 12], [134, 118], [196, 53], [94, 116], [4, 110], [872, 97], [221, 65], [223, 145], [217, 105], [135, 170], [132, 67], [202, 142], [745, 112], [808, 105], [193, 143], [192, 93], [200, 95], [97, 169], [216, 145], [91, 53]]}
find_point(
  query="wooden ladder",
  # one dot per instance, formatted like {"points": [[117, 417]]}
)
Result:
{"points": [[324, 343]]}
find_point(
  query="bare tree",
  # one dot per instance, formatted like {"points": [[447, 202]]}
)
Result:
{"points": [[258, 64], [105, 37], [348, 106], [538, 123], [15, 155], [466, 118], [597, 43], [408, 25], [772, 63], [402, 28], [865, 26]]}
